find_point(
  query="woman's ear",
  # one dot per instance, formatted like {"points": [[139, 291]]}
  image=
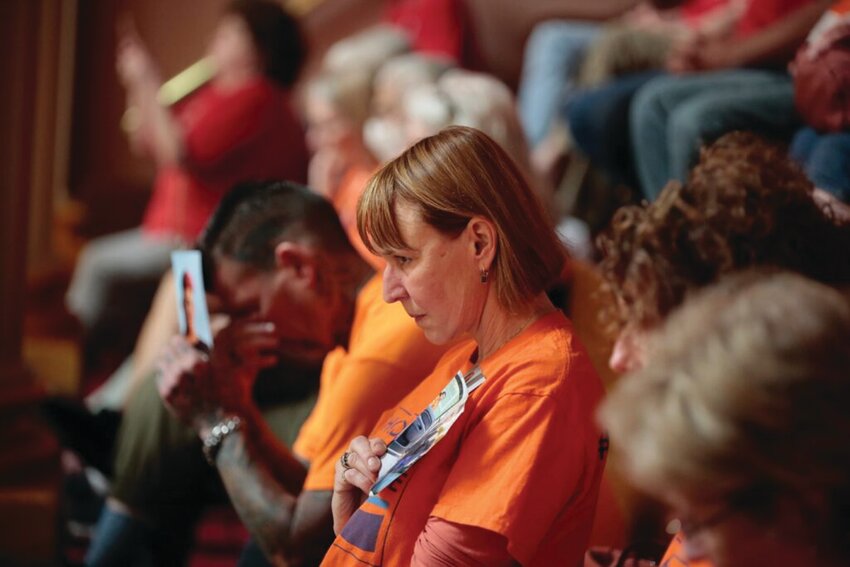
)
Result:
{"points": [[298, 260], [484, 237]]}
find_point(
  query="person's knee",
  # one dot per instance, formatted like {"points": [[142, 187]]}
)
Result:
{"points": [[95, 269], [648, 102], [689, 126], [828, 166], [85, 295], [802, 145]]}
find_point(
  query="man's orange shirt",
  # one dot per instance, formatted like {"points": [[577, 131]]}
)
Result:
{"points": [[387, 357], [524, 460], [345, 202], [675, 556]]}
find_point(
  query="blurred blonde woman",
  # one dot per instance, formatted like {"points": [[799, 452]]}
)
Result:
{"points": [[478, 100], [516, 477], [394, 81], [336, 106], [739, 423]]}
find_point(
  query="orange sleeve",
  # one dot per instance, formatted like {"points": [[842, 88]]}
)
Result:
{"points": [[345, 203], [515, 469], [448, 544]]}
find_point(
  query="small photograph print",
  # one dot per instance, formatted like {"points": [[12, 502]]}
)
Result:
{"points": [[192, 312], [423, 433]]}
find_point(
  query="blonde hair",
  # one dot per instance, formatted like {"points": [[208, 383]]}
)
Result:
{"points": [[451, 177], [405, 72], [477, 100], [368, 49], [350, 92], [745, 402]]}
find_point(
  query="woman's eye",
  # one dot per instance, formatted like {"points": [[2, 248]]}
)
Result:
{"points": [[402, 260]]}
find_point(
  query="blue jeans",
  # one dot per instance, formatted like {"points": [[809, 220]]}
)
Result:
{"points": [[553, 55], [826, 160], [673, 116], [120, 541], [599, 121]]}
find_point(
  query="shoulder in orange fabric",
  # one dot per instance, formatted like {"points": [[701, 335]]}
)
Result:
{"points": [[524, 460], [345, 202]]}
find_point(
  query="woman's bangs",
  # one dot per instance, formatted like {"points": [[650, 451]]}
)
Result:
{"points": [[376, 218]]}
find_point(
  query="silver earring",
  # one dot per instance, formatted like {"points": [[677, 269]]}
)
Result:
{"points": [[485, 274]]}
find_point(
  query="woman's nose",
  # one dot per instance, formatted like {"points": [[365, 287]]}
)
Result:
{"points": [[393, 290]]}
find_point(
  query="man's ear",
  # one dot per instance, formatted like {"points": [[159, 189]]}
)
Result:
{"points": [[297, 259], [484, 237]]}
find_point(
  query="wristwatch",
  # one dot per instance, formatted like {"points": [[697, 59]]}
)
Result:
{"points": [[212, 442]]}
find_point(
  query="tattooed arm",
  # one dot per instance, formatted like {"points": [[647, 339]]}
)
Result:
{"points": [[261, 475], [291, 529]]}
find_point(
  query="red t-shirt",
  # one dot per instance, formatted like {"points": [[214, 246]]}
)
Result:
{"points": [[761, 14], [250, 133], [694, 10], [435, 27], [524, 460]]}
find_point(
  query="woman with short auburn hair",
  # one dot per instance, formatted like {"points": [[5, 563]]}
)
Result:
{"points": [[739, 422], [453, 176], [514, 479]]}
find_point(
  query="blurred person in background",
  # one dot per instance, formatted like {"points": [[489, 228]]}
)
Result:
{"points": [[238, 126], [717, 84], [744, 205], [822, 96], [738, 423]]}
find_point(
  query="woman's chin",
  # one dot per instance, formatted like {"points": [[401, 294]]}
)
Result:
{"points": [[436, 337]]}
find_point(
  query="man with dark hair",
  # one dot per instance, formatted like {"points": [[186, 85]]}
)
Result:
{"points": [[294, 289]]}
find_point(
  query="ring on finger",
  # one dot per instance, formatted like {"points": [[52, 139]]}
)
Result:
{"points": [[344, 460]]}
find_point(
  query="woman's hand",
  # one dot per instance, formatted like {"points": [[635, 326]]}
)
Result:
{"points": [[356, 472], [699, 53]]}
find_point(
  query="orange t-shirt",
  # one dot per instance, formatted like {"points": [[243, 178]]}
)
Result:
{"points": [[675, 556], [387, 357], [345, 202], [523, 460]]}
